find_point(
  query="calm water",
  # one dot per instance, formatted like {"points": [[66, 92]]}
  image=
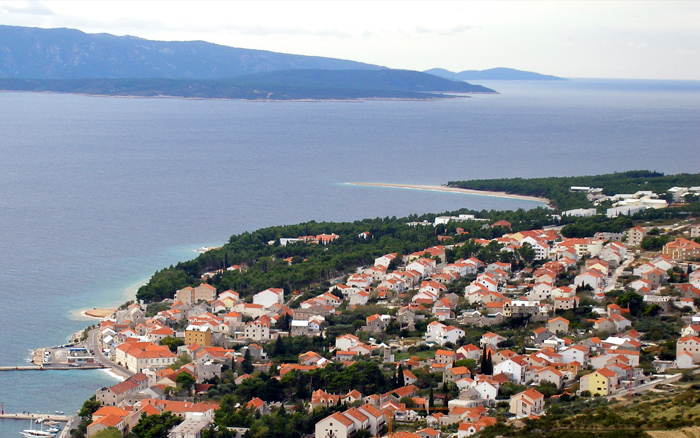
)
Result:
{"points": [[98, 193]]}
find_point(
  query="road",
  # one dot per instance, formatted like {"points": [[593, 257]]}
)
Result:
{"points": [[93, 343], [613, 280], [647, 386]]}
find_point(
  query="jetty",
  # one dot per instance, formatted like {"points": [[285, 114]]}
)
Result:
{"points": [[33, 416], [51, 367]]}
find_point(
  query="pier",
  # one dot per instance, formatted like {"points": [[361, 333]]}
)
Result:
{"points": [[51, 367], [29, 416]]}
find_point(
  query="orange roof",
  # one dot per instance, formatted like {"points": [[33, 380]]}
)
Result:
{"points": [[109, 420]]}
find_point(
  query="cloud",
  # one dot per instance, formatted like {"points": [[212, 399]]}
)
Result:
{"points": [[32, 8], [448, 32], [266, 31], [334, 33]]}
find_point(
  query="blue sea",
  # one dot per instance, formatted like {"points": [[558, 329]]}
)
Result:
{"points": [[97, 193]]}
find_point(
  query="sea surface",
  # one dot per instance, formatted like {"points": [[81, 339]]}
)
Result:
{"points": [[97, 193]]}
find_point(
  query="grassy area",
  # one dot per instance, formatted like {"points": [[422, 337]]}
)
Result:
{"points": [[428, 354]]}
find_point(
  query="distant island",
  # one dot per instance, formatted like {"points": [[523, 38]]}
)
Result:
{"points": [[71, 61], [493, 74], [280, 85]]}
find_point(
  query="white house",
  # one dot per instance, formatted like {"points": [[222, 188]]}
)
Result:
{"points": [[268, 297]]}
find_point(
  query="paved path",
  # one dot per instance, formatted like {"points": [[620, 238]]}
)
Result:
{"points": [[72, 424]]}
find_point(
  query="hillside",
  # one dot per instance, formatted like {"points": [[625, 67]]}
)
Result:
{"points": [[493, 74], [33, 53], [284, 85]]}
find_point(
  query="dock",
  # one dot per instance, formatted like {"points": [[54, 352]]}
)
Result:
{"points": [[29, 416], [51, 367]]}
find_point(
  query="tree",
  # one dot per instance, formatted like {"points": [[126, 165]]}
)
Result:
{"points": [[431, 399], [89, 407], [400, 380], [185, 381], [279, 349], [184, 359], [247, 364], [172, 343], [155, 426], [110, 432]]}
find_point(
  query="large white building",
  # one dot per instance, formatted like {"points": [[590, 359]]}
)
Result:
{"points": [[139, 356], [269, 297]]}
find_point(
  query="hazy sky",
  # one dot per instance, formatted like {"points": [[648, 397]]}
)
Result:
{"points": [[595, 39]]}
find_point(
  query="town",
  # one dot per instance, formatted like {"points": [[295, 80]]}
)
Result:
{"points": [[422, 344]]}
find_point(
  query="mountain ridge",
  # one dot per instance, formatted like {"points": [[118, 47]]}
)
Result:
{"points": [[34, 53]]}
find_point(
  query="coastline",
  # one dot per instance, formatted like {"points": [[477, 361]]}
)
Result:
{"points": [[454, 190]]}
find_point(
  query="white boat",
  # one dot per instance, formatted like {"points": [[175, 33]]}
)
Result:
{"points": [[31, 433], [35, 433]]}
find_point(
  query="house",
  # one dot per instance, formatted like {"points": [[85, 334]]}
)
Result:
{"points": [[377, 323], [541, 334], [635, 236], [106, 417], [549, 374], [359, 299], [602, 382], [491, 339], [198, 334], [527, 403], [257, 330], [684, 360], [575, 353], [189, 428], [442, 334], [114, 395], [682, 249], [189, 295], [689, 344], [566, 303], [456, 373], [515, 368], [591, 278], [444, 356], [346, 342], [385, 260], [558, 325], [268, 297], [470, 351], [604, 325]]}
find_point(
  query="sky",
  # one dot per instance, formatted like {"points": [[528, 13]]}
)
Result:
{"points": [[574, 39]]}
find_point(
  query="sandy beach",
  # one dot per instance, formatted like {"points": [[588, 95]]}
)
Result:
{"points": [[453, 190], [98, 313]]}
